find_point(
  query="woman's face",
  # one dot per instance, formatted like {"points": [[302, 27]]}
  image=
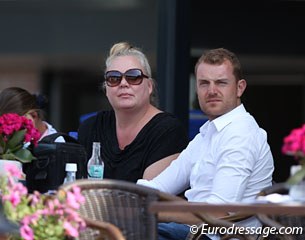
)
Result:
{"points": [[29, 115], [33, 116], [127, 96]]}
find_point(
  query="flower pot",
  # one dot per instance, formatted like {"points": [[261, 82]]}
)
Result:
{"points": [[4, 162], [297, 188], [297, 191]]}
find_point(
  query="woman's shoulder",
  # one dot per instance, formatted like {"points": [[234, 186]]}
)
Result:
{"points": [[166, 124], [97, 118], [166, 134], [167, 119]]}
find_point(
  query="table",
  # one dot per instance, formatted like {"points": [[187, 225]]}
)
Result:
{"points": [[259, 209], [295, 209]]}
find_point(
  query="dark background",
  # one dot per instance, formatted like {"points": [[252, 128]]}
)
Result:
{"points": [[269, 39]]}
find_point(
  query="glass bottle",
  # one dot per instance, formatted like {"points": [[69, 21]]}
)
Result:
{"points": [[71, 169], [95, 164], [297, 190]]}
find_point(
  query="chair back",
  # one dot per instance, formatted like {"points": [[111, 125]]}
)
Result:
{"points": [[121, 203]]}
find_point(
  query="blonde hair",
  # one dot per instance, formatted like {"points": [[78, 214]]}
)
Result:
{"points": [[126, 49]]}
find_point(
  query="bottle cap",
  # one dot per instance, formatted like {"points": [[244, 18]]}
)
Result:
{"points": [[71, 167]]}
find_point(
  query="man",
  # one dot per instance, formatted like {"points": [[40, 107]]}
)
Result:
{"points": [[229, 160]]}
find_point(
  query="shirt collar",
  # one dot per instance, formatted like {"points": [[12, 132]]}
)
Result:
{"points": [[225, 119]]}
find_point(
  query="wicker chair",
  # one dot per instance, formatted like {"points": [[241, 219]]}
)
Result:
{"points": [[282, 220], [99, 230], [226, 222], [120, 203], [126, 204]]}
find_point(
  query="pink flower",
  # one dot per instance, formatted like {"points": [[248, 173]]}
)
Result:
{"points": [[72, 214], [37, 211], [27, 232], [13, 197], [15, 132], [13, 170], [294, 143], [72, 200], [34, 198], [75, 198], [20, 189], [78, 195], [30, 219], [70, 230]]}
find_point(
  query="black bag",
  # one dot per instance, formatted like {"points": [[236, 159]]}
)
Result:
{"points": [[47, 172]]}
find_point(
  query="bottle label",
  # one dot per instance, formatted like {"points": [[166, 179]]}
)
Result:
{"points": [[96, 171], [70, 177]]}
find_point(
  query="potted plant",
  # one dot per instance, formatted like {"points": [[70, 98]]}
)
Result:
{"points": [[17, 135], [294, 145], [40, 216]]}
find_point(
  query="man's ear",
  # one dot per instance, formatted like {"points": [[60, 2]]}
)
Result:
{"points": [[241, 86]]}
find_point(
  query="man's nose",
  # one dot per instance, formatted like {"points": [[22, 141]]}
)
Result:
{"points": [[212, 88]]}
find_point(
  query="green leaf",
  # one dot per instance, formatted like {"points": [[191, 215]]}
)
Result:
{"points": [[24, 155], [297, 177], [2, 143], [16, 139], [8, 156]]}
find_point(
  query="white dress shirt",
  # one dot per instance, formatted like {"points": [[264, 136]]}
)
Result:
{"points": [[229, 160]]}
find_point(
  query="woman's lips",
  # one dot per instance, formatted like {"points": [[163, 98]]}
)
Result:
{"points": [[124, 95]]}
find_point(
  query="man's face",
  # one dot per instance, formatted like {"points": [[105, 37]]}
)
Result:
{"points": [[217, 89]]}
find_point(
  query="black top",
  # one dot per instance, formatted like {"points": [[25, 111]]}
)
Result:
{"points": [[162, 136]]}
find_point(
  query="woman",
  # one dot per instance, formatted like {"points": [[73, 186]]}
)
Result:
{"points": [[20, 101], [137, 139]]}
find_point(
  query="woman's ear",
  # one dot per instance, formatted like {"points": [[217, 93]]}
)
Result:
{"points": [[104, 87], [151, 85]]}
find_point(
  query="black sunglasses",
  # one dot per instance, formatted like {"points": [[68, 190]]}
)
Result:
{"points": [[133, 76]]}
